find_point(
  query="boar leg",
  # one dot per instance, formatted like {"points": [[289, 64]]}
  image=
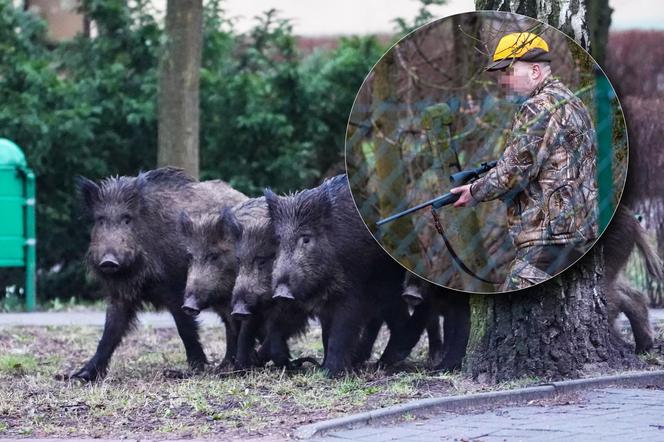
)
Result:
{"points": [[436, 346], [119, 318], [456, 330], [232, 327], [343, 323], [325, 334], [367, 340], [188, 331], [275, 345], [634, 304], [245, 342], [404, 333]]}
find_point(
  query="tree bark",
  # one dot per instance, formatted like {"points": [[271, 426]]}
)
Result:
{"points": [[560, 328], [179, 86], [570, 16]]}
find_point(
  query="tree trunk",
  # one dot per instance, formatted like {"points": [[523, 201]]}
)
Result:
{"points": [[560, 328], [389, 165], [179, 86]]}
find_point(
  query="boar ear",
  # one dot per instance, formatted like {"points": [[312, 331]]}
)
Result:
{"points": [[141, 182], [227, 224], [88, 192], [325, 204], [138, 190], [185, 224], [272, 201]]}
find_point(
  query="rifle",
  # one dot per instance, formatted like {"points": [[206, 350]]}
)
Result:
{"points": [[457, 179]]}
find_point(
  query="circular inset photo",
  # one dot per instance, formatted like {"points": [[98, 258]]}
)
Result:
{"points": [[486, 152]]}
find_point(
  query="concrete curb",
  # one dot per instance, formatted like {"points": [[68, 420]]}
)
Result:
{"points": [[459, 403], [638, 379], [452, 403]]}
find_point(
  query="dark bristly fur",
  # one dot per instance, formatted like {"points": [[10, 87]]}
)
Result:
{"points": [[137, 254], [329, 262]]}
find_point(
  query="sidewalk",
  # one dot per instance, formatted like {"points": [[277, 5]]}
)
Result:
{"points": [[607, 414]]}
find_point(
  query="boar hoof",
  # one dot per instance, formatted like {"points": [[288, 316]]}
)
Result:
{"points": [[241, 366], [391, 358], [87, 374], [643, 346], [333, 372], [226, 366], [197, 366]]}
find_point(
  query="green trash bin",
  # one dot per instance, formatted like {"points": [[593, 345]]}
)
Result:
{"points": [[17, 212]]}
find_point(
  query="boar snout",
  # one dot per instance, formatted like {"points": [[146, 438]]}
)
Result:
{"points": [[240, 310], [109, 263], [190, 306], [283, 292], [412, 296]]}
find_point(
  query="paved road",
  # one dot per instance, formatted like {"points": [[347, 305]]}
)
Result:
{"points": [[151, 319], [610, 414], [95, 318]]}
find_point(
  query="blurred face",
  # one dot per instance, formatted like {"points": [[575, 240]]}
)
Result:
{"points": [[520, 78]]}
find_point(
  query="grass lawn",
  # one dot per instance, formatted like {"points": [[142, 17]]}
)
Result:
{"points": [[138, 400]]}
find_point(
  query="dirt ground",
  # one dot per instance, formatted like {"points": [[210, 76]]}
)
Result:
{"points": [[139, 399]]}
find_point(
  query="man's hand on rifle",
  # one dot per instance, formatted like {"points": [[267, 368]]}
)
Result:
{"points": [[466, 199]]}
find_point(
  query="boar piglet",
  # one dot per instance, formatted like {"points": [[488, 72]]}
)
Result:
{"points": [[329, 265], [430, 302], [210, 242], [252, 293], [137, 254]]}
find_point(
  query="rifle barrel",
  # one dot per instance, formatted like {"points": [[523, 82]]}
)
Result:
{"points": [[457, 179], [437, 203]]}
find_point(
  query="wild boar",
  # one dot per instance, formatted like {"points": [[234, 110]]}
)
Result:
{"points": [[137, 254], [328, 265], [620, 238]]}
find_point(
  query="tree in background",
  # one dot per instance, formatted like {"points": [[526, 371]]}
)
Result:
{"points": [[179, 79]]}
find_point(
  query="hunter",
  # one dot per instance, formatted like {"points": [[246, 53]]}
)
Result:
{"points": [[546, 174]]}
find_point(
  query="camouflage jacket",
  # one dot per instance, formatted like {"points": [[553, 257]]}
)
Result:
{"points": [[546, 174]]}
